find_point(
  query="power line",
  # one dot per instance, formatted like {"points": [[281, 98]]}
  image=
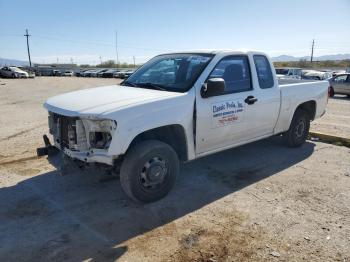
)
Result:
{"points": [[116, 44], [27, 36]]}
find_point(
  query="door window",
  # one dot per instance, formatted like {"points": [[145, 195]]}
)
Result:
{"points": [[236, 73], [340, 79], [263, 69]]}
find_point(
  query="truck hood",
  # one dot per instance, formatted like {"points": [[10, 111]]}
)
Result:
{"points": [[96, 101]]}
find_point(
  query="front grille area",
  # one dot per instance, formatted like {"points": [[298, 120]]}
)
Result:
{"points": [[63, 128], [67, 130]]}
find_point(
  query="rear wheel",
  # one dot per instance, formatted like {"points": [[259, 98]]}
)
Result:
{"points": [[298, 130], [149, 171]]}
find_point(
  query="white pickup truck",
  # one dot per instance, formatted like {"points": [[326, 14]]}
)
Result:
{"points": [[179, 107]]}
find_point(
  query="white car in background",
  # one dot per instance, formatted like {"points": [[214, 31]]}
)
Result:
{"points": [[316, 75], [288, 73], [13, 72], [124, 74], [67, 73]]}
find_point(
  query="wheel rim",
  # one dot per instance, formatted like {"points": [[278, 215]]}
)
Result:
{"points": [[153, 174], [300, 129]]}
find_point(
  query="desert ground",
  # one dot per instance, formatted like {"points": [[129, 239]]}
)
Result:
{"points": [[258, 202]]}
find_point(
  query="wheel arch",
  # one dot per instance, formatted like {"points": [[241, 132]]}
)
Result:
{"points": [[173, 135], [309, 107]]}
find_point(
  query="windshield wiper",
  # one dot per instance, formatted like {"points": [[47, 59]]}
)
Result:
{"points": [[127, 83], [151, 85]]}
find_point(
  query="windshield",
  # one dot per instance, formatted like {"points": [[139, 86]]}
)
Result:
{"points": [[173, 72], [16, 69]]}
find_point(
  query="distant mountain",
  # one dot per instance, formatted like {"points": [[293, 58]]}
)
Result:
{"points": [[287, 58], [12, 62], [333, 57]]}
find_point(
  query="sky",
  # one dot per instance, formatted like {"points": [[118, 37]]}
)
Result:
{"points": [[85, 31]]}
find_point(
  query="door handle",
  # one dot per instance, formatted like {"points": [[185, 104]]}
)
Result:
{"points": [[250, 100]]}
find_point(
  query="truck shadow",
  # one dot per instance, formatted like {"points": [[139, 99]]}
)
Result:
{"points": [[75, 217]]}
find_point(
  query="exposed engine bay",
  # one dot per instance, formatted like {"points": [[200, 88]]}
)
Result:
{"points": [[82, 138]]}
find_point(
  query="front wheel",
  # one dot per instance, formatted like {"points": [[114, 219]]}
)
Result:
{"points": [[298, 130], [331, 92], [149, 171]]}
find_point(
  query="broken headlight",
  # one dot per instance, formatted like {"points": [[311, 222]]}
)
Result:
{"points": [[99, 132], [100, 140]]}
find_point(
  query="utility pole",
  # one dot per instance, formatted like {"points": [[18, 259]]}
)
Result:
{"points": [[312, 50], [27, 35], [134, 61], [116, 46], [101, 60]]}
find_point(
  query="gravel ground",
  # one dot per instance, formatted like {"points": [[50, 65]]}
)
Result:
{"points": [[336, 121], [257, 202]]}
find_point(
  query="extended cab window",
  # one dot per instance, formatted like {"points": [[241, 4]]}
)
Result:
{"points": [[236, 73], [263, 69]]}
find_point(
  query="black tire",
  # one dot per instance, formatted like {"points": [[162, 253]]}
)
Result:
{"points": [[13, 76], [149, 171], [298, 130], [331, 92]]}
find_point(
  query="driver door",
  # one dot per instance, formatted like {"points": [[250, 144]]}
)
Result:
{"points": [[222, 120]]}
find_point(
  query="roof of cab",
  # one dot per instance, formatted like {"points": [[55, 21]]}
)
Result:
{"points": [[214, 51]]}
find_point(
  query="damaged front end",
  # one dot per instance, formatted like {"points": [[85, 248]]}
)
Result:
{"points": [[84, 139]]}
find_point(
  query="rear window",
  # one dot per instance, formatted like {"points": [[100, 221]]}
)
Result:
{"points": [[263, 69]]}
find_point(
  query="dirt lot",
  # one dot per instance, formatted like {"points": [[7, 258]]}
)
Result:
{"points": [[254, 203], [336, 121]]}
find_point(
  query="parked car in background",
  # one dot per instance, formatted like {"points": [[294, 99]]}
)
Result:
{"points": [[100, 73], [109, 73], [124, 74], [56, 72], [96, 72], [340, 84], [288, 73], [80, 73], [316, 75], [30, 71], [13, 72], [88, 73], [67, 73], [118, 74], [338, 72], [31, 74], [128, 73], [115, 74]]}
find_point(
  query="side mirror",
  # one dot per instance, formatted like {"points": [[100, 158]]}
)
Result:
{"points": [[214, 87]]}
